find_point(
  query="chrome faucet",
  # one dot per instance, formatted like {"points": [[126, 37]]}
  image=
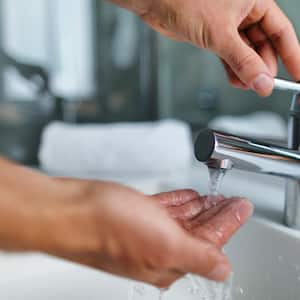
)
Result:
{"points": [[225, 151]]}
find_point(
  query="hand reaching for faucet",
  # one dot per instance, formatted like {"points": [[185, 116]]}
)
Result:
{"points": [[248, 35]]}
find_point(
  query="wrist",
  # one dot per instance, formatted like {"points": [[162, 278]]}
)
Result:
{"points": [[68, 223], [24, 204], [40, 213]]}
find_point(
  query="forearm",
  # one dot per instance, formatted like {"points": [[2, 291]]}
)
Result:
{"points": [[31, 205]]}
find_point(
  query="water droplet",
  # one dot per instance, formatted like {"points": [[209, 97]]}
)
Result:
{"points": [[241, 291], [280, 258], [139, 289], [238, 217]]}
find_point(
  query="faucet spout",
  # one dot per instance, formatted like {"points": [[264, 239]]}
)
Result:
{"points": [[218, 149], [247, 154]]}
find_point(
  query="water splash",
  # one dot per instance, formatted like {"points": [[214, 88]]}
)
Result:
{"points": [[162, 293], [193, 288], [141, 291], [210, 290], [136, 289]]}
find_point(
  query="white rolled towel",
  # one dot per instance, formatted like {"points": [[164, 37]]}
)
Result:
{"points": [[151, 147]]}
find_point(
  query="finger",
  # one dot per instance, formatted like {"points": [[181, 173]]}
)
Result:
{"points": [[220, 227], [187, 210], [232, 78], [202, 258], [263, 47], [282, 34], [193, 208], [176, 198], [213, 209], [162, 278], [256, 14], [247, 65]]}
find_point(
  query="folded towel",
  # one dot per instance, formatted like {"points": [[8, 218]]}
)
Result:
{"points": [[257, 125], [154, 147]]}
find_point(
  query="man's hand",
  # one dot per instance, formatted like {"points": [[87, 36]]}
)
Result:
{"points": [[248, 35], [155, 239], [107, 226]]}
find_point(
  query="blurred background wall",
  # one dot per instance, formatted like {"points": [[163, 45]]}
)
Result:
{"points": [[88, 61]]}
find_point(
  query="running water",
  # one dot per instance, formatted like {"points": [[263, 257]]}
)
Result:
{"points": [[215, 180], [216, 176], [209, 290]]}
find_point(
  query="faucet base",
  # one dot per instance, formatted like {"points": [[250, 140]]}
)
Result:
{"points": [[292, 204]]}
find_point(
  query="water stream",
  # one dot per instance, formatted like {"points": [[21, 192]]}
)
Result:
{"points": [[215, 180]]}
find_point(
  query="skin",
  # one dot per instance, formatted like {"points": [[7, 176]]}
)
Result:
{"points": [[248, 35], [110, 227]]}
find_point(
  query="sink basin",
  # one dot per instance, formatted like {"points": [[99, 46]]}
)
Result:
{"points": [[266, 262], [265, 259]]}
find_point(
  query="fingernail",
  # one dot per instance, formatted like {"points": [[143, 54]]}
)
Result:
{"points": [[245, 209], [220, 273], [263, 84], [242, 209]]}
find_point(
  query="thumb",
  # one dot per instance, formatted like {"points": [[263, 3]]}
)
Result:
{"points": [[202, 258], [247, 65]]}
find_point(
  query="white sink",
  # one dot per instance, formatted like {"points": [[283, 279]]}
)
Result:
{"points": [[265, 258], [266, 262]]}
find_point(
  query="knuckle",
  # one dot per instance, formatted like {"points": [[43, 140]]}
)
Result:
{"points": [[203, 38], [241, 63], [278, 36], [220, 41], [260, 8]]}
